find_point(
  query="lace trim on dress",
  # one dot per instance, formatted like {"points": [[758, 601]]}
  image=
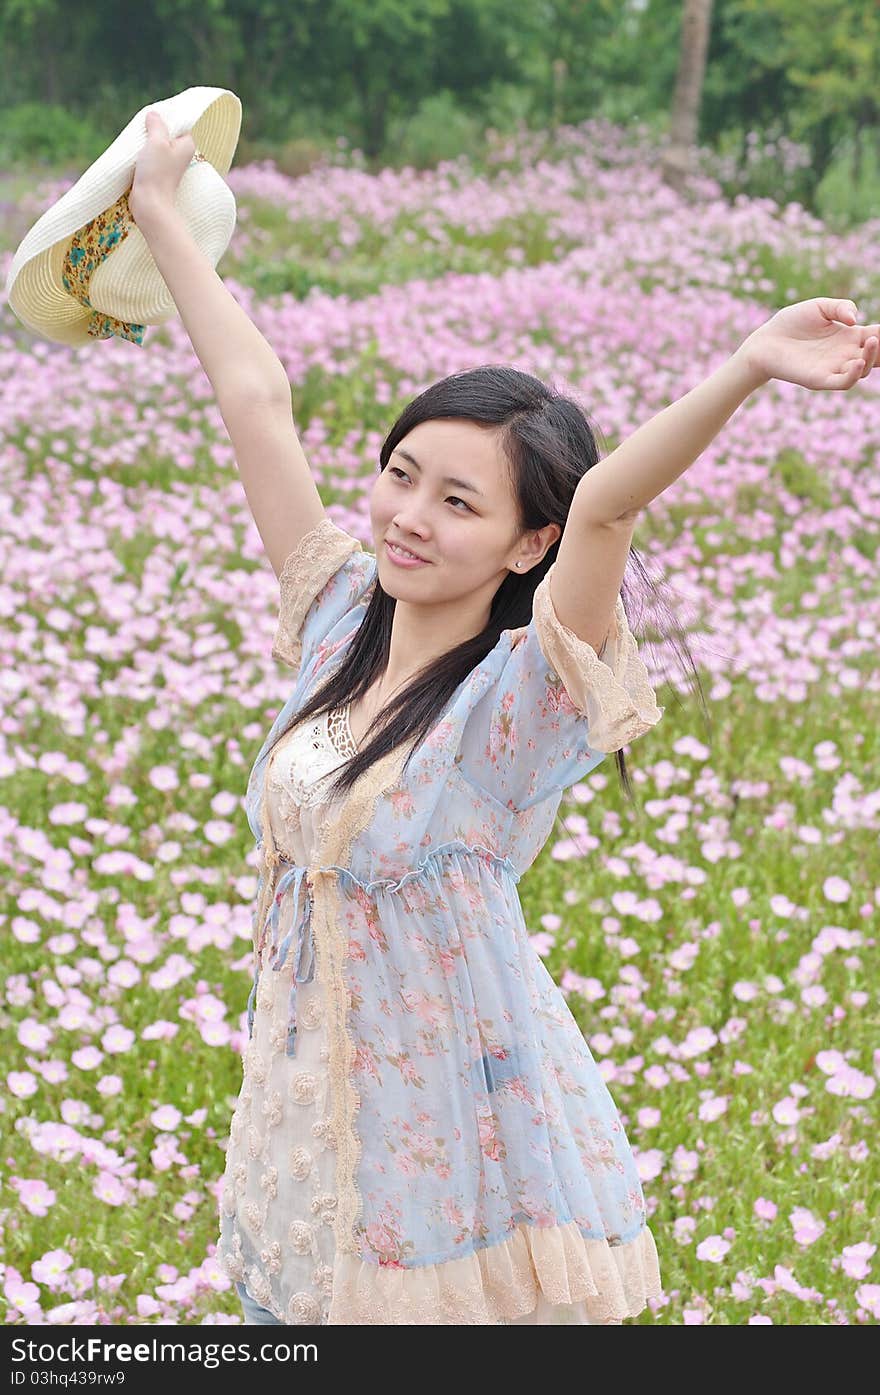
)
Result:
{"points": [[614, 693], [339, 732], [325, 734], [317, 556], [292, 794], [337, 833], [344, 821], [503, 1281]]}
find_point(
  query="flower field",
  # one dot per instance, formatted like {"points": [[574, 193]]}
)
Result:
{"points": [[717, 942]]}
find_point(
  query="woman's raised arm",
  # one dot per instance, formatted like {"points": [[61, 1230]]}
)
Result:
{"points": [[815, 343], [247, 376]]}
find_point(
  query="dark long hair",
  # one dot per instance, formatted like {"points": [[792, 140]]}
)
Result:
{"points": [[550, 445]]}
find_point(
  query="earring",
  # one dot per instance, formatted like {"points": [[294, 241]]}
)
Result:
{"points": [[519, 564]]}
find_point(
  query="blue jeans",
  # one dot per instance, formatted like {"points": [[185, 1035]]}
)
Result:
{"points": [[253, 1313]]}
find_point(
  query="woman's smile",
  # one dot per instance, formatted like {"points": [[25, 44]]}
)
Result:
{"points": [[404, 559]]}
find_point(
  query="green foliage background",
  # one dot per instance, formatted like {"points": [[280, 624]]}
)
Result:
{"points": [[419, 81]]}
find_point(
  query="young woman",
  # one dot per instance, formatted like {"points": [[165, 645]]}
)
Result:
{"points": [[422, 1134]]}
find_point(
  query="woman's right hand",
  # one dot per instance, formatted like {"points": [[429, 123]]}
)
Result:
{"points": [[159, 168]]}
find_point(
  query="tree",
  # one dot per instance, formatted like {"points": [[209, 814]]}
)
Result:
{"points": [[679, 157], [384, 56], [831, 53]]}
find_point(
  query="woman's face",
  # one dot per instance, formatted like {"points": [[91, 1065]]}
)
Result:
{"points": [[421, 500]]}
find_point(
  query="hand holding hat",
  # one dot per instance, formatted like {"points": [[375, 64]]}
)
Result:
{"points": [[84, 271], [160, 165]]}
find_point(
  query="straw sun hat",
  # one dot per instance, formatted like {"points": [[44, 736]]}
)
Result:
{"points": [[84, 270]]}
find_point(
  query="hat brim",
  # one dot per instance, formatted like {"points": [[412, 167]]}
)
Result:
{"points": [[212, 115]]}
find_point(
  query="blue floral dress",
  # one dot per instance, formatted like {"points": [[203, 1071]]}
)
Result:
{"points": [[422, 1134]]}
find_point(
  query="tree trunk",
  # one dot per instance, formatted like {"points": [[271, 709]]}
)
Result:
{"points": [[822, 147], [49, 63], [678, 160], [559, 71], [863, 122], [375, 125], [374, 110]]}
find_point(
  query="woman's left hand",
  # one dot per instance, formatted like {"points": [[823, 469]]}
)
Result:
{"points": [[816, 344]]}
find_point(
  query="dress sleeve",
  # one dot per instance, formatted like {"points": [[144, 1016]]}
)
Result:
{"points": [[323, 579], [558, 708]]}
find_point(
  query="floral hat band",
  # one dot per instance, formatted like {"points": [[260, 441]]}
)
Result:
{"points": [[86, 252], [84, 271]]}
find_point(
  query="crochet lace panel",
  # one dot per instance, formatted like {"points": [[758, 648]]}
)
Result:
{"points": [[339, 731], [614, 692], [317, 556], [343, 822], [326, 738]]}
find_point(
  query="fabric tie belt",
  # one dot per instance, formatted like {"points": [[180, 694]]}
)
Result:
{"points": [[300, 932]]}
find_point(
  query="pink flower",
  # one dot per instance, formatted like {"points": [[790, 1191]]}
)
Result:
{"points": [[166, 1117], [488, 1140], [868, 1296], [829, 1062], [109, 1189], [713, 1248], [744, 991], [24, 1296], [163, 777], [852, 1082], [712, 1109], [741, 1288], [836, 889], [685, 1164], [649, 1163], [786, 1111], [451, 1211], [33, 1035], [365, 1062], [21, 1083], [50, 1270], [807, 1228], [697, 1040], [117, 1038], [855, 1259], [34, 1194], [409, 1070], [382, 1239]]}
